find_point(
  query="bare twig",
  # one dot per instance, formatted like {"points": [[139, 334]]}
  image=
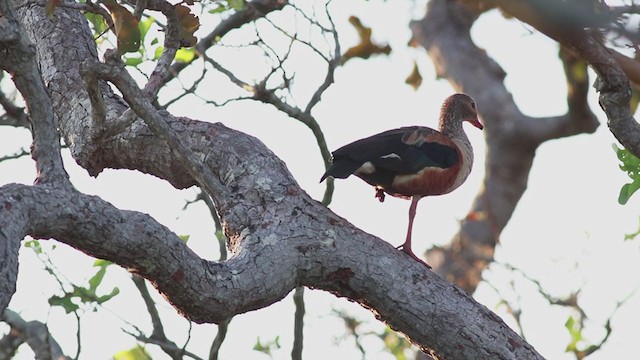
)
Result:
{"points": [[17, 155], [298, 334], [219, 339], [36, 334], [253, 10]]}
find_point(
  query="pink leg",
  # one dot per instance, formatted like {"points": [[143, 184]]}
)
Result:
{"points": [[406, 247]]}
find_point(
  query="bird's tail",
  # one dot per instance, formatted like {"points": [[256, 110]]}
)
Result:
{"points": [[341, 169]]}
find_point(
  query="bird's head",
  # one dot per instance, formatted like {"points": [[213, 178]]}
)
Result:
{"points": [[459, 108]]}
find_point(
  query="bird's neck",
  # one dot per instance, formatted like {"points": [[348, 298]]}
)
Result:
{"points": [[452, 127]]}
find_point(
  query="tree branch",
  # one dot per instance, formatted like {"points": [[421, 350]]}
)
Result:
{"points": [[26, 76], [252, 11], [36, 335], [279, 236], [612, 83], [445, 33]]}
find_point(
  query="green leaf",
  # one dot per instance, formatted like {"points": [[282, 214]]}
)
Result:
{"points": [[98, 23], [144, 26], [627, 190], [105, 298], [136, 353], [102, 263], [218, 9], [158, 52], [631, 165], [34, 245], [184, 238], [185, 55], [133, 61], [268, 346], [65, 302], [575, 332], [632, 236], [236, 4], [96, 279]]}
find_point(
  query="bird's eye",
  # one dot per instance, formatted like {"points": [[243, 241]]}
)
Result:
{"points": [[473, 105]]}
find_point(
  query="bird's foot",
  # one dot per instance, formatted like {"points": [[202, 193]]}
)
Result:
{"points": [[380, 194], [407, 250]]}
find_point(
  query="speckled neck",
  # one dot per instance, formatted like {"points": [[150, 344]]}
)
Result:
{"points": [[451, 124]]}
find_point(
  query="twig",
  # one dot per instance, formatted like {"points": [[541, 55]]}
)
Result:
{"points": [[36, 334], [298, 334]]}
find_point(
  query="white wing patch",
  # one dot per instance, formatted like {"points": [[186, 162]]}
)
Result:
{"points": [[391, 156], [366, 168]]}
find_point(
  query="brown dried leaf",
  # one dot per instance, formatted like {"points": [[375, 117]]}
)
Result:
{"points": [[126, 27], [189, 24]]}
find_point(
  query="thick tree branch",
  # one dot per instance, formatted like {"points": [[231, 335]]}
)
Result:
{"points": [[279, 236], [19, 60], [612, 83], [445, 33]]}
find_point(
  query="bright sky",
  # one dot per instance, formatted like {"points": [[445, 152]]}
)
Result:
{"points": [[567, 231]]}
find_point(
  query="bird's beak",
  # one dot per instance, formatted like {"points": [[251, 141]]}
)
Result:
{"points": [[475, 122]]}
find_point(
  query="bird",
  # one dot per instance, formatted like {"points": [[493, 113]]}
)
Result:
{"points": [[415, 161]]}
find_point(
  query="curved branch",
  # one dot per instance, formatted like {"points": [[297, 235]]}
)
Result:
{"points": [[511, 137], [612, 83]]}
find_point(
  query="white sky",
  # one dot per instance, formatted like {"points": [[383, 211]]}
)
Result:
{"points": [[567, 231]]}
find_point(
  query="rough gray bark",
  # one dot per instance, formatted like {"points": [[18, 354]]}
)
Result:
{"points": [[279, 236]]}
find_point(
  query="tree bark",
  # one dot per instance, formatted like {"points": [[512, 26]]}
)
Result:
{"points": [[280, 237]]}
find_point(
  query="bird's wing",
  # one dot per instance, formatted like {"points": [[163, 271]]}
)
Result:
{"points": [[400, 151]]}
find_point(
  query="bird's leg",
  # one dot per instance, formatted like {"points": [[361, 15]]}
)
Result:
{"points": [[380, 194], [406, 247]]}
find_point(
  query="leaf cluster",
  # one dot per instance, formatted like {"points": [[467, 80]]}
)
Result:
{"points": [[631, 165]]}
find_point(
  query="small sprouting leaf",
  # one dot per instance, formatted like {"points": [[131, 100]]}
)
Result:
{"points": [[267, 346], [630, 165], [185, 55], [574, 332], [34, 245], [633, 235], [136, 353], [158, 52], [50, 7], [184, 238], [126, 27], [102, 263], [189, 24]]}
